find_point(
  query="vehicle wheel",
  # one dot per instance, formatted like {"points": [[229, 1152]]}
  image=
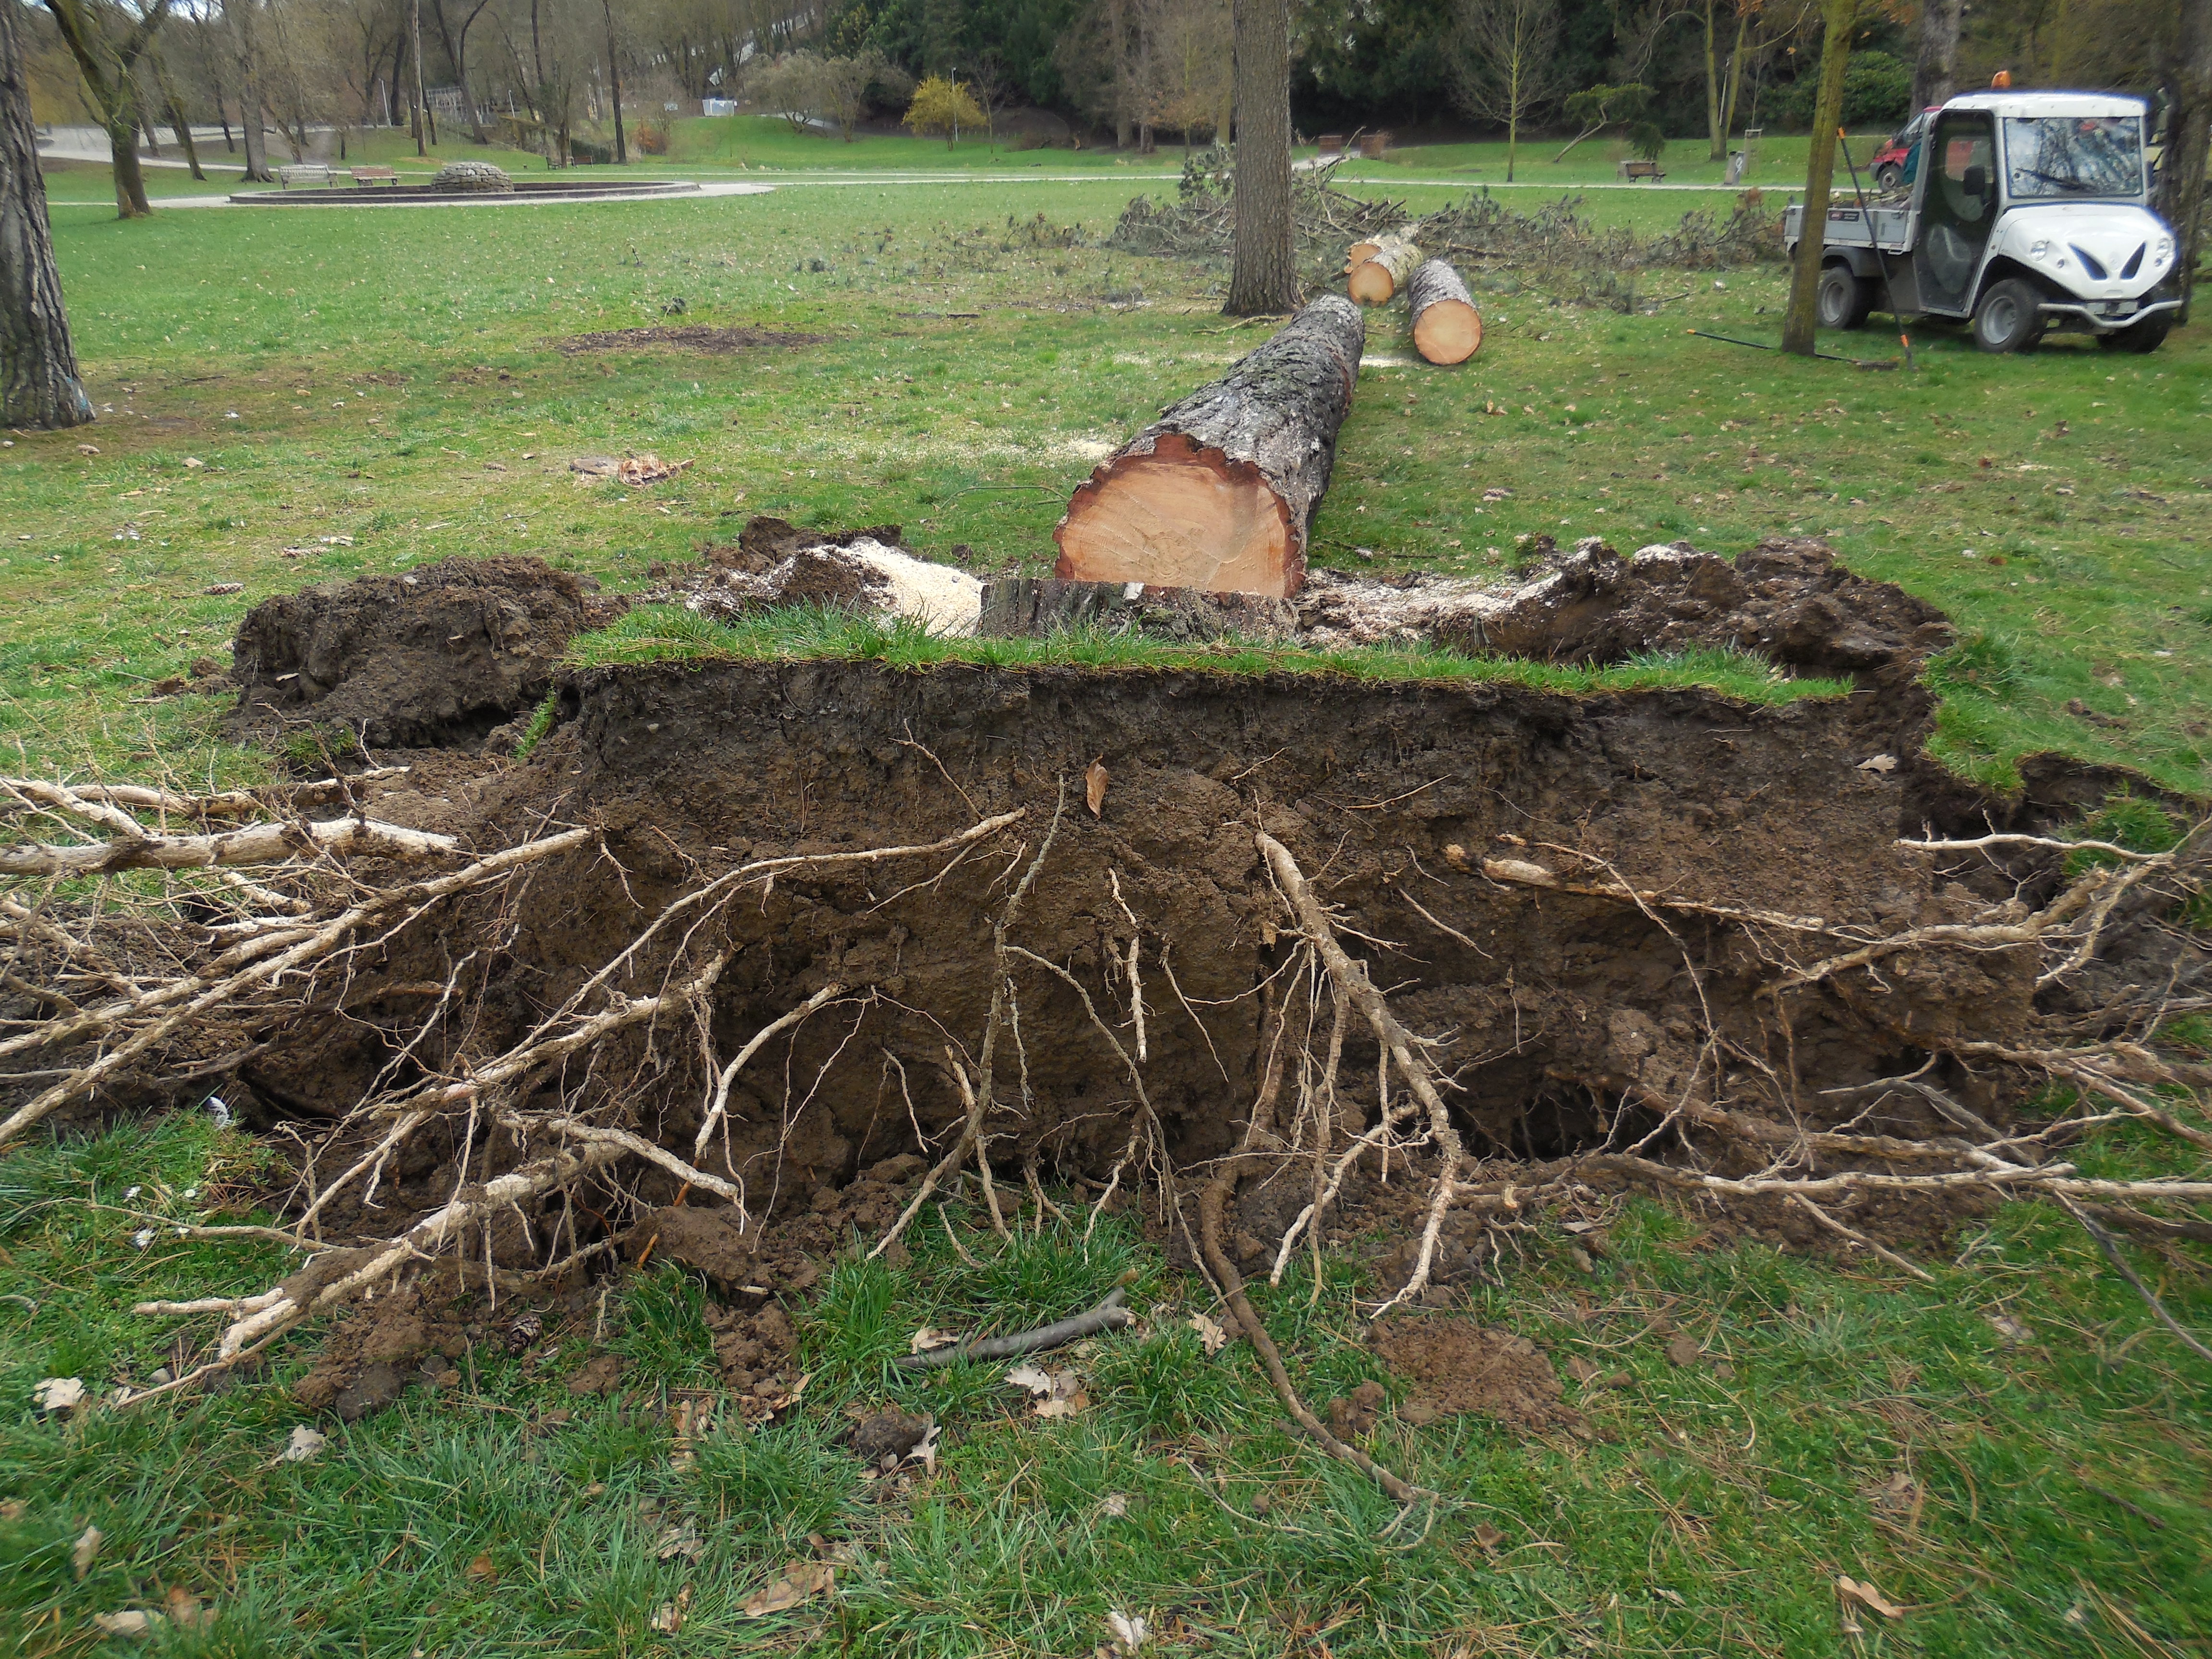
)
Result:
{"points": [[2146, 335], [1844, 300], [2009, 318], [1890, 175]]}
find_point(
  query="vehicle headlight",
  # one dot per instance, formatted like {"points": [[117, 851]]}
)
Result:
{"points": [[2041, 249], [2162, 250]]}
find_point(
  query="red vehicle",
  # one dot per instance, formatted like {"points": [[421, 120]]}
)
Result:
{"points": [[1888, 165]]}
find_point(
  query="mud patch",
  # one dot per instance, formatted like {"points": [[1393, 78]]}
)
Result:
{"points": [[688, 336], [1456, 1366]]}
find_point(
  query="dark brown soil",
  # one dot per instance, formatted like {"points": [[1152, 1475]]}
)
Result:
{"points": [[437, 657], [1567, 1018], [688, 336], [1455, 1365]]}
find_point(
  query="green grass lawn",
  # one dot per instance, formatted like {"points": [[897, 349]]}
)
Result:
{"points": [[290, 397], [371, 390], [2013, 1457]]}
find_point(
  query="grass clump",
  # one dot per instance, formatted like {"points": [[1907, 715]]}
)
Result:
{"points": [[539, 725], [663, 633]]}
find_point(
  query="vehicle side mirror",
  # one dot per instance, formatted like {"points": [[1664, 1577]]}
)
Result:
{"points": [[1977, 181]]}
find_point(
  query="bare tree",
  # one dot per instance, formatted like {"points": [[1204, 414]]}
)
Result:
{"points": [[1263, 278], [38, 384], [243, 17], [1504, 63], [614, 80], [2188, 78], [1840, 20], [107, 44], [1936, 72]]}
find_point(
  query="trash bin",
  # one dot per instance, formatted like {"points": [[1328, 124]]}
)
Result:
{"points": [[1736, 162]]}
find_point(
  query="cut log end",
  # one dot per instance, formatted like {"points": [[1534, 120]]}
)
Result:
{"points": [[1447, 328], [1450, 331], [1371, 284], [1376, 281], [1182, 516], [1359, 255]]}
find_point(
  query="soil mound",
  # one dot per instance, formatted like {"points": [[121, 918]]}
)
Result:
{"points": [[436, 657]]}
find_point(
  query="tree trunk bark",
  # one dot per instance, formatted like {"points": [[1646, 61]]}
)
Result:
{"points": [[1218, 493], [423, 135], [130, 201], [1376, 280], [614, 85], [1447, 328], [178, 118], [2181, 189], [38, 384], [1935, 71], [251, 117], [1714, 130], [1801, 320], [1263, 279]]}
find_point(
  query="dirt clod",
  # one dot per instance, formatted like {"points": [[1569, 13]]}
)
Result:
{"points": [[600, 1375], [1456, 1365], [888, 1437], [1354, 1414]]}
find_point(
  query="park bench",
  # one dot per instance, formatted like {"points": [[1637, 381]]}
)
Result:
{"points": [[375, 176], [1641, 170], [303, 172]]}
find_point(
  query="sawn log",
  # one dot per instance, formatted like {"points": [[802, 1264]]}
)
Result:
{"points": [[1218, 492], [1377, 279], [1447, 328]]}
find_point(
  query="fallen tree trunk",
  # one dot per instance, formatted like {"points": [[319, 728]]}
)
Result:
{"points": [[1447, 328], [1377, 280], [1218, 492]]}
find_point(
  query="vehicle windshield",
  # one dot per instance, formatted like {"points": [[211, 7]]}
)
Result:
{"points": [[2051, 156]]}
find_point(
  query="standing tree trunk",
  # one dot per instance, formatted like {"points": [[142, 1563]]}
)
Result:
{"points": [[1217, 493], [252, 118], [425, 135], [2189, 120], [1840, 18], [614, 85], [1264, 279], [1714, 128], [39, 385], [178, 118], [111, 78], [1936, 72]]}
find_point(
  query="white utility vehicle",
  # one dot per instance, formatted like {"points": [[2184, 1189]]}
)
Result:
{"points": [[2028, 213]]}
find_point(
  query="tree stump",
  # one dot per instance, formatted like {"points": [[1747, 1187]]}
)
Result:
{"points": [[1218, 492], [1375, 280], [1447, 328]]}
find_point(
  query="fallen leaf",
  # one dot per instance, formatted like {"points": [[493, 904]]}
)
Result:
{"points": [[1581, 1369], [185, 1609], [684, 1541], [928, 1337], [1851, 1589], [1094, 786], [194, 463], [800, 1580], [1034, 1378], [1487, 1536], [1115, 1504], [1209, 1333], [59, 1395], [1672, 1596], [639, 470], [303, 1445], [131, 1622], [925, 1452], [670, 1619], [1129, 1630], [1682, 1349], [1058, 1406], [481, 1571], [85, 1550], [15, 1508], [1879, 764], [2009, 1327]]}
